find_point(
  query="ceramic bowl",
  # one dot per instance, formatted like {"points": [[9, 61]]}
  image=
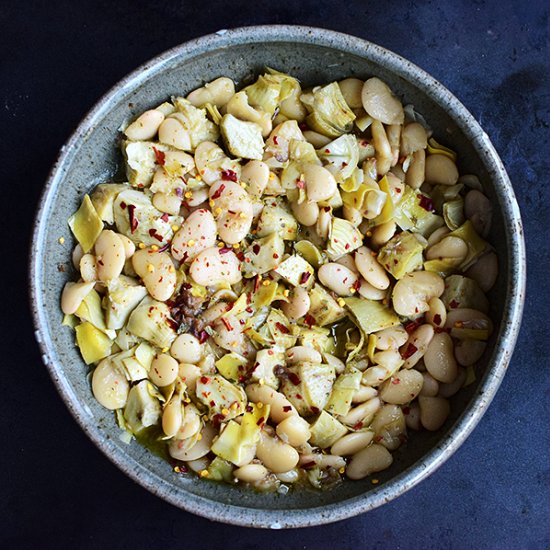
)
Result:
{"points": [[91, 157]]}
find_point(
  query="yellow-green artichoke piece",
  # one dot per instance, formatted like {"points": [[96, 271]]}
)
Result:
{"points": [[463, 292], [318, 338], [263, 255], [123, 295], [344, 238], [342, 154], [415, 212], [140, 159], [330, 114], [232, 366], [343, 390], [370, 315], [196, 122], [326, 430], [476, 245], [324, 308], [86, 224], [221, 396], [151, 321], [276, 218], [296, 271], [142, 409], [401, 254], [103, 198], [243, 139], [93, 343]]}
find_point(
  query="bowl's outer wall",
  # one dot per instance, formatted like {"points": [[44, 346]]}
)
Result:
{"points": [[91, 157]]}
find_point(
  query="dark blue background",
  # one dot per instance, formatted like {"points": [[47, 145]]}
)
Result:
{"points": [[56, 59]]}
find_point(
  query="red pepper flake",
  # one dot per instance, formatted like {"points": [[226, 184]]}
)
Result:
{"points": [[240, 255], [164, 217], [442, 329], [224, 250], [275, 256], [171, 323], [133, 220], [163, 248], [205, 379], [396, 381], [437, 319], [309, 465], [275, 140], [305, 277], [183, 469], [260, 421], [327, 150], [123, 205], [411, 326], [153, 233], [256, 249], [358, 426], [203, 336], [257, 282], [303, 126], [314, 410], [248, 298], [212, 403], [298, 396], [426, 203], [295, 379], [100, 262], [406, 410], [229, 175], [160, 156], [378, 438], [217, 419], [287, 408], [356, 285], [300, 184], [309, 320], [227, 324], [398, 190], [218, 192], [410, 350], [249, 310], [453, 304], [347, 246], [282, 328]]}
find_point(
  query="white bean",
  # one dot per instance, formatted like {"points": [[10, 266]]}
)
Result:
{"points": [[479, 210], [249, 473], [437, 314], [389, 426], [167, 202], [110, 255], [164, 370], [430, 387], [255, 174], [391, 338], [468, 352], [348, 261], [316, 139], [189, 374], [218, 93], [412, 293], [88, 268], [215, 265], [352, 215], [77, 256], [145, 126], [172, 132], [298, 354], [364, 393], [335, 362], [433, 412], [382, 233], [413, 138], [157, 271], [441, 170], [450, 388], [129, 246], [370, 292], [197, 233], [417, 344], [412, 417], [374, 458], [380, 103], [363, 413], [178, 448], [351, 444], [448, 247], [371, 270], [437, 235], [191, 423], [281, 407], [322, 227], [276, 455], [109, 385], [294, 430], [73, 294], [186, 349], [298, 304], [382, 147], [337, 278], [416, 173], [306, 213], [352, 89], [402, 387], [172, 416], [484, 271], [439, 358], [320, 183]]}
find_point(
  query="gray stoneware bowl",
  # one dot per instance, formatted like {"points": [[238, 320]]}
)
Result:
{"points": [[91, 157]]}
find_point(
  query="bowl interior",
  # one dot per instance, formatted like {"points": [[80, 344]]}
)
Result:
{"points": [[92, 157]]}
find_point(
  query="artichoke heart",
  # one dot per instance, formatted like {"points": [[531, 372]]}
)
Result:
{"points": [[344, 238], [103, 198], [263, 255], [276, 218], [140, 159], [86, 224], [308, 386], [93, 343], [401, 254], [296, 271], [326, 430], [196, 122], [330, 114], [123, 295], [221, 396], [342, 154], [371, 316], [463, 292], [142, 409], [324, 308], [343, 390], [243, 139], [231, 366], [151, 321]]}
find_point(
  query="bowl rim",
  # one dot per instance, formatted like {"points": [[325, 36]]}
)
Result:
{"points": [[512, 312]]}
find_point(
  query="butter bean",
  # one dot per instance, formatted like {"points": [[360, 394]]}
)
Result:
{"points": [[413, 138], [337, 278], [197, 233], [433, 412], [172, 132], [186, 349], [351, 89], [412, 293], [370, 269], [189, 374], [374, 458], [276, 455], [298, 304], [110, 255], [109, 385], [145, 127], [164, 370], [157, 271], [298, 354], [380, 103], [306, 212], [439, 358], [214, 265], [255, 174], [419, 341], [73, 294], [168, 203], [416, 173], [251, 473], [441, 170], [320, 183], [294, 430], [88, 268], [351, 444], [172, 417], [402, 387], [178, 448], [281, 407]]}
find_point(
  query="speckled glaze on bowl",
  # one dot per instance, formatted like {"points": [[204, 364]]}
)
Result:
{"points": [[91, 157]]}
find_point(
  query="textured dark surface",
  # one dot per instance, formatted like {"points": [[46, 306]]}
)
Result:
{"points": [[56, 489]]}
